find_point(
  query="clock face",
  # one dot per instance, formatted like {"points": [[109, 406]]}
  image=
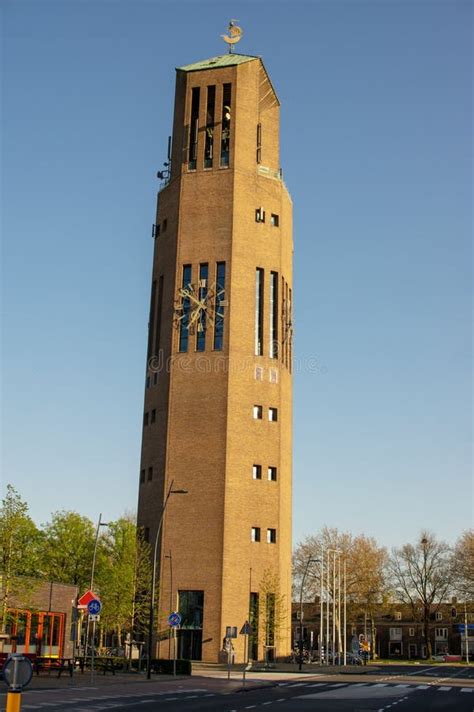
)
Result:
{"points": [[198, 305]]}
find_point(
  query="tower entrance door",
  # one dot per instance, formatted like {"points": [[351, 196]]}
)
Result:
{"points": [[190, 644]]}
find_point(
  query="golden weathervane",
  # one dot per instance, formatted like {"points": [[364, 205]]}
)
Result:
{"points": [[235, 34]]}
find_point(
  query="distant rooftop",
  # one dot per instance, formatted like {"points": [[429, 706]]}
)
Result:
{"points": [[224, 60]]}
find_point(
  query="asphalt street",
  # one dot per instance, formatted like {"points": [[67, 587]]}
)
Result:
{"points": [[403, 688]]}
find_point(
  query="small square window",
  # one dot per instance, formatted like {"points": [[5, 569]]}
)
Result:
{"points": [[155, 378], [150, 474], [257, 472], [142, 476], [273, 414], [275, 220], [271, 536], [258, 412], [255, 534], [258, 373], [145, 419], [153, 415], [260, 215], [272, 474]]}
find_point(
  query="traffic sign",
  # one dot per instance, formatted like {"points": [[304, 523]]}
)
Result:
{"points": [[246, 629], [17, 672], [94, 618], [94, 607], [85, 598], [174, 619]]}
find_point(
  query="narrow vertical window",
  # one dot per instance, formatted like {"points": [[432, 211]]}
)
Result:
{"points": [[201, 324], [259, 312], [210, 118], [151, 322], [290, 344], [226, 117], [259, 143], [159, 314], [220, 304], [194, 128], [184, 325], [273, 343], [254, 622]]}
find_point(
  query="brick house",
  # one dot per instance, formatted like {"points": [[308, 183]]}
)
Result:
{"points": [[38, 618]]}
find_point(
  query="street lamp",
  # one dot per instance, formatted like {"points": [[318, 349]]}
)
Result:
{"points": [[152, 602], [100, 524], [310, 561]]}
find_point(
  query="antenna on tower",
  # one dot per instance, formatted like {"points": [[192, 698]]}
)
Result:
{"points": [[166, 174]]}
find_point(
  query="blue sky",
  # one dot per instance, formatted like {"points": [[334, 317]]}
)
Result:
{"points": [[376, 151]]}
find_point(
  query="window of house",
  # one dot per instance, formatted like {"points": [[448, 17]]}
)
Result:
{"points": [[271, 536], [255, 534], [259, 143], [273, 375], [145, 419], [194, 128], [257, 412], [411, 632], [153, 415], [439, 616], [142, 476], [441, 633], [159, 314], [273, 414], [150, 474], [202, 324], [274, 220], [210, 112], [259, 279], [221, 304], [398, 616], [272, 474], [395, 633], [254, 622], [257, 472], [226, 122], [186, 305], [260, 215], [273, 340]]}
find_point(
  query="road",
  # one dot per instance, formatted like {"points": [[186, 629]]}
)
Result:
{"points": [[404, 688]]}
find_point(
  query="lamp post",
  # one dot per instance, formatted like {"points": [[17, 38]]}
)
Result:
{"points": [[311, 560], [153, 586], [100, 524]]}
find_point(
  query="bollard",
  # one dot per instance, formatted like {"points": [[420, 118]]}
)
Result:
{"points": [[17, 673], [13, 701]]}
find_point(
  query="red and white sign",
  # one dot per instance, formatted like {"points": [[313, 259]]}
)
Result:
{"points": [[86, 598]]}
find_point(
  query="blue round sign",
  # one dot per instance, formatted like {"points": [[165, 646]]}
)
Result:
{"points": [[174, 619], [94, 607]]}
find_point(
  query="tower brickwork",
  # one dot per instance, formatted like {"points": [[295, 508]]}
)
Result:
{"points": [[218, 397]]}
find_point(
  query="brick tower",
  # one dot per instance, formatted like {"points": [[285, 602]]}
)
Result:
{"points": [[218, 398]]}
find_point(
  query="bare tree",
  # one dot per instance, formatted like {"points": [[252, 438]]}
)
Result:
{"points": [[422, 577], [463, 565]]}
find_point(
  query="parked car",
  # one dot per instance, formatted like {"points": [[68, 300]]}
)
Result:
{"points": [[439, 658], [351, 659]]}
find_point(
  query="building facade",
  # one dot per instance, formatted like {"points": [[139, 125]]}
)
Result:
{"points": [[397, 634], [218, 397]]}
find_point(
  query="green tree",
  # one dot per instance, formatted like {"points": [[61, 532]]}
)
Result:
{"points": [[125, 572], [422, 577], [463, 566], [68, 549], [272, 613], [19, 550]]}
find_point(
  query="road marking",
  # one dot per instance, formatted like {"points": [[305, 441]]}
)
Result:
{"points": [[298, 684], [317, 684], [445, 689], [466, 689], [250, 707], [282, 699], [422, 687], [340, 684], [402, 685], [380, 684]]}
